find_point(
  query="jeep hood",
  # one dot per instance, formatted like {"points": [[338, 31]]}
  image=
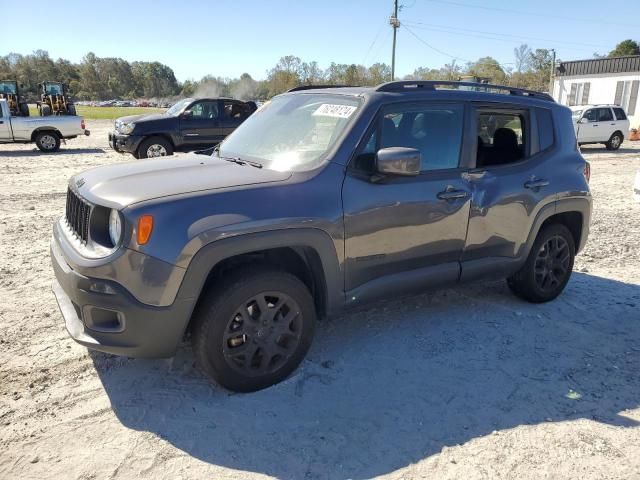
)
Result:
{"points": [[121, 185]]}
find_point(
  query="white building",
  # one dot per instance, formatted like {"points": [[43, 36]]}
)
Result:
{"points": [[600, 81]]}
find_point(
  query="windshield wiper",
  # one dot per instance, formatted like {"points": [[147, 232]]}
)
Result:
{"points": [[241, 161]]}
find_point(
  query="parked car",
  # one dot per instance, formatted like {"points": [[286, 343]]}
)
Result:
{"points": [[321, 200], [606, 124], [45, 132], [191, 124]]}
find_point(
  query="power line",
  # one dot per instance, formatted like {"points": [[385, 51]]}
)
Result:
{"points": [[374, 42], [434, 48], [599, 20], [491, 35], [441, 52]]}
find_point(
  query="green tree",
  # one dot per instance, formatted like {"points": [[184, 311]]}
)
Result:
{"points": [[626, 47], [488, 67]]}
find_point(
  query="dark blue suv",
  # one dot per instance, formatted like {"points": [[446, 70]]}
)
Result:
{"points": [[322, 199]]}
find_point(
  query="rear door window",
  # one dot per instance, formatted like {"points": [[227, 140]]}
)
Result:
{"points": [[501, 138], [604, 115], [236, 110]]}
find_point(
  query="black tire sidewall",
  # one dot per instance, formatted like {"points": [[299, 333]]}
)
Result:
{"points": [[610, 144], [142, 149], [212, 319], [523, 283], [42, 148]]}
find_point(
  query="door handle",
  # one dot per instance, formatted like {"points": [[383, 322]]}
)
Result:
{"points": [[452, 194], [533, 184]]}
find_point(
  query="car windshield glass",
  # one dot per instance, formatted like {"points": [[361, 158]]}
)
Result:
{"points": [[177, 108], [8, 87], [291, 132]]}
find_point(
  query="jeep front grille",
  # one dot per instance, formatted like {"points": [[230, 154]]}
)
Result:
{"points": [[77, 214]]}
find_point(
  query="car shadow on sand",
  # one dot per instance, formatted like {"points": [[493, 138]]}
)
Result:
{"points": [[387, 387], [600, 150], [63, 151]]}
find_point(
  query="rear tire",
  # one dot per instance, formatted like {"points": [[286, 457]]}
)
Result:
{"points": [[155, 147], [48, 142], [548, 266], [615, 141], [253, 329]]}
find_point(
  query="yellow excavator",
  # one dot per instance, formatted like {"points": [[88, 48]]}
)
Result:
{"points": [[17, 104], [55, 100]]}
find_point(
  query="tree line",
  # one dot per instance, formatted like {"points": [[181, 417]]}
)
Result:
{"points": [[98, 78]]}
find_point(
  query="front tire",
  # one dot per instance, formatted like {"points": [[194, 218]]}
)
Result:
{"points": [[253, 329], [615, 141], [548, 267], [48, 142], [155, 147]]}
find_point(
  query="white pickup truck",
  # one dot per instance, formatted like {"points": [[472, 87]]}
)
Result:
{"points": [[46, 132]]}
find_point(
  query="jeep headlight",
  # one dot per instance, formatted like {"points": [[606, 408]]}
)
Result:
{"points": [[115, 227]]}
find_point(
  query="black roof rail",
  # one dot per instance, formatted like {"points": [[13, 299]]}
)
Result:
{"points": [[313, 87], [432, 84]]}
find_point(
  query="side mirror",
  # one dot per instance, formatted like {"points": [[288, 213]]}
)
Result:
{"points": [[187, 114], [583, 120], [398, 161]]}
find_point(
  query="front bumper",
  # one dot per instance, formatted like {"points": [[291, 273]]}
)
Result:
{"points": [[103, 315], [124, 143]]}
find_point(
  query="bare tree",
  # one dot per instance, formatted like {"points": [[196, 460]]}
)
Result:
{"points": [[523, 58]]}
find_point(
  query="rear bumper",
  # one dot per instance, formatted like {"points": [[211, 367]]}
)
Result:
{"points": [[103, 315], [124, 143]]}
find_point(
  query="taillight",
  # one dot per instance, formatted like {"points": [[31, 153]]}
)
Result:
{"points": [[82, 124], [587, 171]]}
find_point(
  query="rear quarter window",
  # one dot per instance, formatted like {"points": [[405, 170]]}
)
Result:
{"points": [[545, 128], [620, 115]]}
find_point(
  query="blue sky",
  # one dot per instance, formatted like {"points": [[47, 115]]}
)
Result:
{"points": [[229, 37]]}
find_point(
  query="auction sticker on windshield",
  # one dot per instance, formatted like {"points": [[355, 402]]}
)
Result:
{"points": [[337, 111]]}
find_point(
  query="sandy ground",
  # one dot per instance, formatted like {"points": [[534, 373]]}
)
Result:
{"points": [[462, 383]]}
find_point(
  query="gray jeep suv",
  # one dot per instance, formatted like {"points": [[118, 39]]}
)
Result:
{"points": [[324, 198]]}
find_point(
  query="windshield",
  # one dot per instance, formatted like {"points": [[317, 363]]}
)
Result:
{"points": [[53, 89], [291, 132], [8, 88], [177, 108]]}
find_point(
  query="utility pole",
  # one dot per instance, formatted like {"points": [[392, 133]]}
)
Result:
{"points": [[395, 23], [553, 71]]}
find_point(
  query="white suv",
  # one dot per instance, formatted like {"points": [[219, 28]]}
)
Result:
{"points": [[606, 124]]}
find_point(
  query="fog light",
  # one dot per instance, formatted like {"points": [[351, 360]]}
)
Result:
{"points": [[99, 287]]}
